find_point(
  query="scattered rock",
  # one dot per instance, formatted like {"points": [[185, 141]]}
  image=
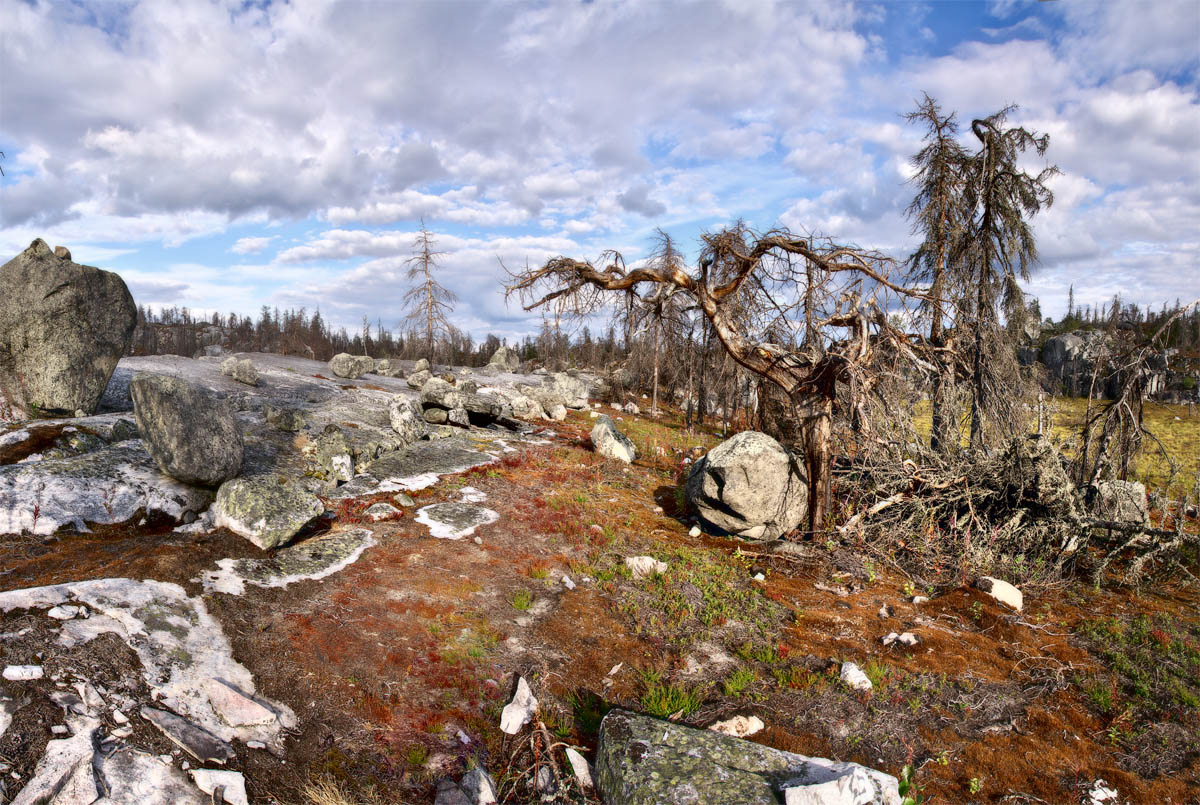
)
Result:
{"points": [[903, 638], [265, 511], [739, 726], [505, 360], [63, 328], [421, 365], [920, 599], [557, 412], [610, 442], [192, 436], [407, 419], [22, 673], [381, 511], [694, 531], [459, 417], [1102, 793], [436, 416], [631, 408], [351, 367], [455, 520], [437, 392], [749, 486], [644, 566], [1001, 590], [419, 378], [579, 767], [288, 420], [388, 368], [520, 710], [644, 760], [479, 787], [853, 677], [240, 369], [66, 613], [231, 784], [401, 499], [198, 743]]}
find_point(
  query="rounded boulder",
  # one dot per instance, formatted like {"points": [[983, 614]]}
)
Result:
{"points": [[749, 486]]}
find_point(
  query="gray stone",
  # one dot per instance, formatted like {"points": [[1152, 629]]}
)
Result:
{"points": [[288, 420], [505, 360], [421, 365], [265, 511], [198, 743], [240, 369], [351, 367], [749, 486], [407, 419], [438, 392], [381, 511], [331, 457], [191, 434], [644, 761], [610, 442], [436, 416], [557, 412], [571, 389], [1122, 502], [459, 417], [388, 368], [419, 378], [63, 327]]}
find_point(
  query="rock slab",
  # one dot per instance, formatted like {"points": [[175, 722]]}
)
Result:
{"points": [[610, 442], [63, 327], [644, 761], [749, 486], [264, 511], [192, 435]]}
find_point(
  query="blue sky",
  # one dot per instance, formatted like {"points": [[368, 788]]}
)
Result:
{"points": [[228, 155]]}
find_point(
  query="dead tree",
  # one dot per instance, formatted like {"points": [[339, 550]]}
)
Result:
{"points": [[429, 301], [785, 278]]}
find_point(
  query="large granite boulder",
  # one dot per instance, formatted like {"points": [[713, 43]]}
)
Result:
{"points": [[388, 368], [419, 378], [645, 761], [265, 511], [568, 389], [438, 393], [351, 367], [505, 360], [610, 442], [749, 486], [63, 327], [1060, 350], [192, 435]]}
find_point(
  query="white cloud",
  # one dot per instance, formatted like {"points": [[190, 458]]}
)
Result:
{"points": [[251, 245]]}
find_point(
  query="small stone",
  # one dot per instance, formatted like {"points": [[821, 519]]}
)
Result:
{"points": [[759, 577], [520, 710], [886, 611], [695, 531], [477, 540], [255, 745], [232, 783], [566, 580], [1001, 590], [59, 729], [854, 678], [919, 599], [403, 500], [22, 673], [122, 732], [66, 613], [381, 511], [643, 566], [579, 767], [119, 717], [739, 726], [904, 639]]}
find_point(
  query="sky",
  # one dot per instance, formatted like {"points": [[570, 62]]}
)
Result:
{"points": [[229, 155]]}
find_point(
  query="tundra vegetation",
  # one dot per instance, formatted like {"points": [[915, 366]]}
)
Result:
{"points": [[977, 598]]}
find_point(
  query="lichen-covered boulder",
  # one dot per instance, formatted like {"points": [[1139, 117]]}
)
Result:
{"points": [[749, 486], [437, 392], [240, 369], [645, 761], [419, 378], [350, 366], [421, 365], [331, 458], [1122, 502], [63, 327], [388, 368], [610, 442], [571, 390], [407, 419], [192, 435], [288, 420], [265, 511], [505, 360]]}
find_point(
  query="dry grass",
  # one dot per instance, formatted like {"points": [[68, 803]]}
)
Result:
{"points": [[328, 791]]}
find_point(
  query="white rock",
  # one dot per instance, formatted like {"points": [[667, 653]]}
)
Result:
{"points": [[59, 729], [854, 787], [1001, 590], [208, 780], [566, 580], [66, 613], [22, 673], [234, 707], [854, 678], [739, 726], [120, 717], [904, 639], [920, 599], [579, 766], [643, 566], [1102, 794], [520, 710], [694, 532]]}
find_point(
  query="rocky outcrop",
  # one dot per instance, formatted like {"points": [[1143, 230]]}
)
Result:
{"points": [[240, 369], [749, 486], [610, 442], [351, 366], [287, 419], [264, 511], [505, 360], [644, 761], [419, 378], [63, 327], [388, 368], [407, 420], [569, 389], [191, 434]]}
